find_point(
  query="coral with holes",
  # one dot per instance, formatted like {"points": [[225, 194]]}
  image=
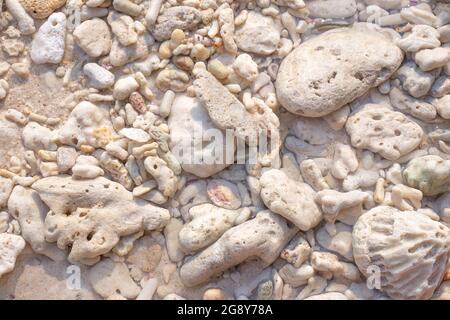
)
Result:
{"points": [[87, 124], [327, 72], [381, 130], [88, 217], [41, 9], [406, 249]]}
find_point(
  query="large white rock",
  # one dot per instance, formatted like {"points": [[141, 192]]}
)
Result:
{"points": [[49, 42], [327, 72]]}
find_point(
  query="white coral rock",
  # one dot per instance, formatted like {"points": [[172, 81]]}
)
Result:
{"points": [[11, 246]]}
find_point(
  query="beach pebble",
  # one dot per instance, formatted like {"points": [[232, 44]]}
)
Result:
{"points": [[121, 55], [443, 106], [415, 81], [258, 34], [179, 17], [429, 59], [135, 134], [94, 37], [244, 241], [208, 224], [124, 87], [86, 167], [49, 42], [87, 124], [4, 88], [331, 9], [245, 67], [24, 21], [6, 186], [11, 246], [109, 278], [66, 158], [224, 194], [420, 37], [99, 77]]}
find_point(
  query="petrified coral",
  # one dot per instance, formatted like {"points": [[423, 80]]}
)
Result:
{"points": [[88, 217], [25, 205], [407, 250], [208, 224], [384, 131], [346, 206], [262, 237], [227, 112], [291, 199], [180, 17], [41, 9], [109, 278], [331, 70]]}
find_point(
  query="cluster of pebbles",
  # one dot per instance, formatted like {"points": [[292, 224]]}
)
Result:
{"points": [[352, 201]]}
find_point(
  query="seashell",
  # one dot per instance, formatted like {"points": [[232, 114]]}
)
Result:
{"points": [[407, 249], [135, 134]]}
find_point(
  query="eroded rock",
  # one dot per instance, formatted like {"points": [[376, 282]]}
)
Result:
{"points": [[327, 72], [90, 216]]}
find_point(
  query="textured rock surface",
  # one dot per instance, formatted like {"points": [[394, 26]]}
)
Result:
{"points": [[11, 246], [262, 237], [381, 130], [291, 199], [26, 206], [48, 43], [259, 34], [189, 120], [181, 17], [41, 9], [227, 112], [92, 215], [327, 72], [208, 224], [408, 248]]}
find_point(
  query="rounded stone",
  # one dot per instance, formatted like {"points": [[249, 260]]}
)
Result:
{"points": [[333, 69]]}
